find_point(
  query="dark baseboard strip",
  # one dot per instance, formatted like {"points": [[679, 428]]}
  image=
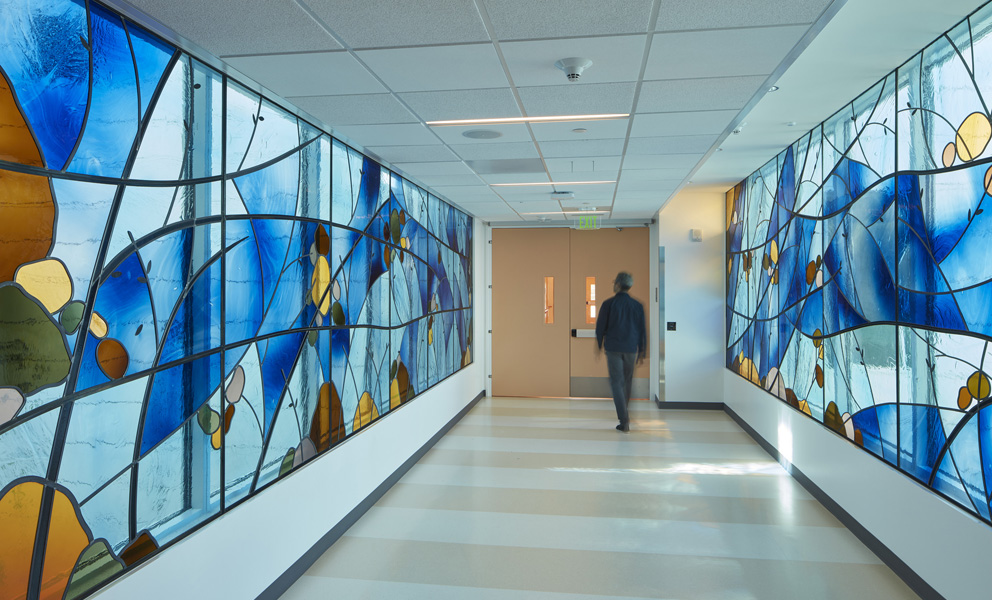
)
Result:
{"points": [[690, 405], [887, 556], [294, 572]]}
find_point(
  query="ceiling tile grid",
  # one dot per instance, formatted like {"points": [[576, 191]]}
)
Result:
{"points": [[376, 72]]}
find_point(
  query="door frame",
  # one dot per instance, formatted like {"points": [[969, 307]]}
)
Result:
{"points": [[654, 326]]}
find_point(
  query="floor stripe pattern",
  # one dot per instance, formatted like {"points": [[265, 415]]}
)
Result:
{"points": [[542, 499]]}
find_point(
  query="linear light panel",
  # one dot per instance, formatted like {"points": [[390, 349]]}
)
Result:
{"points": [[510, 120], [550, 183]]}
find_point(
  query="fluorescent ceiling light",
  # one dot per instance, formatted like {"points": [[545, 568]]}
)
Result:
{"points": [[510, 120], [549, 183], [569, 212]]}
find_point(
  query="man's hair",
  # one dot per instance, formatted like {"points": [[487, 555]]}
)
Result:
{"points": [[624, 280]]}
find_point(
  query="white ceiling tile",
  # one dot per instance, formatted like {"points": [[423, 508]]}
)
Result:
{"points": [[609, 164], [508, 133], [631, 162], [578, 148], [712, 93], [495, 151], [610, 175], [339, 73], [518, 178], [363, 109], [711, 14], [594, 130], [459, 67], [685, 123], [613, 59], [492, 211], [479, 192], [635, 214], [507, 165], [427, 169], [578, 99], [382, 135], [400, 154], [720, 53], [659, 194], [625, 187], [654, 174], [527, 19], [442, 180], [678, 144], [389, 23], [249, 27], [463, 104]]}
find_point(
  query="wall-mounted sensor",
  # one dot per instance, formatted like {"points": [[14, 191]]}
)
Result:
{"points": [[573, 67], [696, 235]]}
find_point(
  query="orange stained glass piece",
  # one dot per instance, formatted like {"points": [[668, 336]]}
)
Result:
{"points": [[112, 358], [337, 417], [16, 142], [141, 547], [320, 427], [366, 412], [66, 541], [27, 216], [19, 509]]}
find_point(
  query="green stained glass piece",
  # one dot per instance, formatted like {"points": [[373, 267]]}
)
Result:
{"points": [[95, 565], [208, 418], [71, 316], [337, 313], [33, 352], [395, 227], [287, 462], [312, 338]]}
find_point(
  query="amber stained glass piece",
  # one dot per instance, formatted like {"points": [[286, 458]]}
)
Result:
{"points": [[112, 358], [142, 546]]}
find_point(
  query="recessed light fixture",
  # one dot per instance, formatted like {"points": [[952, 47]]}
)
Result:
{"points": [[790, 124], [580, 130], [550, 183], [512, 120], [774, 88], [482, 134]]}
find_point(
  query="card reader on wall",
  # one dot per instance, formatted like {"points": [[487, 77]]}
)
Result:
{"points": [[584, 333]]}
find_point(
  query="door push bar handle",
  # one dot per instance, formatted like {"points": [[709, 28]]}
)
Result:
{"points": [[584, 333]]}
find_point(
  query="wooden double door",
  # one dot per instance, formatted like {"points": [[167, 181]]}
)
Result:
{"points": [[547, 282]]}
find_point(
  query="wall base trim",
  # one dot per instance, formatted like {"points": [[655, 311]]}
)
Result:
{"points": [[278, 587], [886, 555], [689, 405]]}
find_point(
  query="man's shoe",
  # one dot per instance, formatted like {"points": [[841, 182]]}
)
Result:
{"points": [[623, 428]]}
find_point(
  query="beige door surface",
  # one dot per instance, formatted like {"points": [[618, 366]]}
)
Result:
{"points": [[530, 357], [534, 358], [602, 253]]}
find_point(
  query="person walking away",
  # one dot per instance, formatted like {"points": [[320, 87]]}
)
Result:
{"points": [[621, 332]]}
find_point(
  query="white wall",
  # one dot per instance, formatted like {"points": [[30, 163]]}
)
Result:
{"points": [[241, 553], [694, 296], [935, 538]]}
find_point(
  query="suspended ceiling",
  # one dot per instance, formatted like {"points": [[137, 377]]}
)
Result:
{"points": [[689, 72]]}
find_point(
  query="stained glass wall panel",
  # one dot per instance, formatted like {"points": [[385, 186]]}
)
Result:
{"points": [[881, 268], [200, 292]]}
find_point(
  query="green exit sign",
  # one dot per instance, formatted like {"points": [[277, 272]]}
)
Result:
{"points": [[588, 222]]}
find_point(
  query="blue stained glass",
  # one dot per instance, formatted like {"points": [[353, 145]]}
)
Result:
{"points": [[275, 132], [106, 513], [195, 325], [112, 119], [163, 149], [27, 448], [278, 358], [274, 237], [152, 57], [124, 304], [176, 394], [82, 209], [315, 180], [289, 307], [243, 442], [985, 446], [965, 455], [100, 440], [244, 297], [273, 190], [921, 436], [45, 56]]}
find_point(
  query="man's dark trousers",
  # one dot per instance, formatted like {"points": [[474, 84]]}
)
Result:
{"points": [[621, 369]]}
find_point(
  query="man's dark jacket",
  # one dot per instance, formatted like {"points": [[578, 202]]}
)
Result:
{"points": [[620, 325]]}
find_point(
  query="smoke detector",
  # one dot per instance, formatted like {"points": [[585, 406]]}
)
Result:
{"points": [[573, 67]]}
